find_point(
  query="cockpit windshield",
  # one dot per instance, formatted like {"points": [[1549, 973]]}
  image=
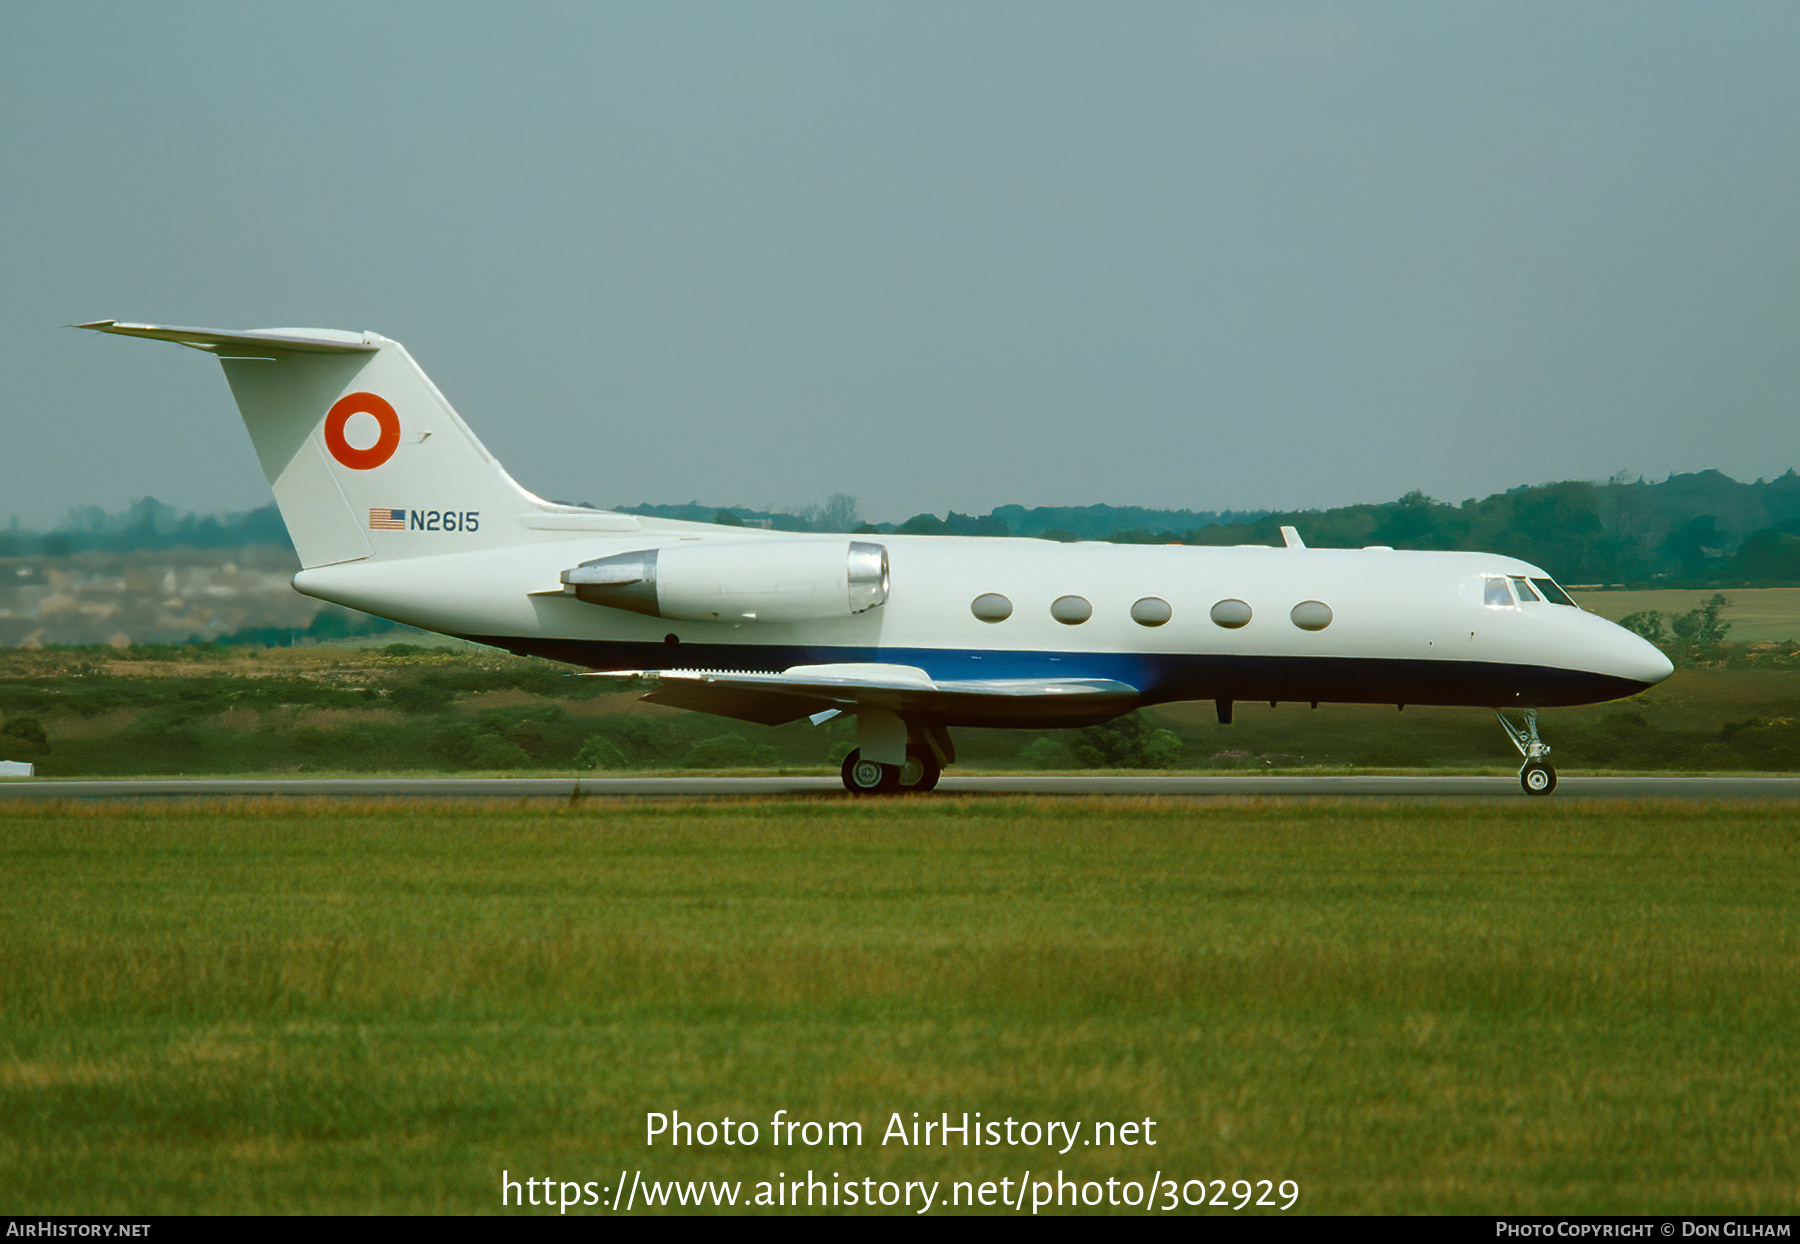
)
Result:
{"points": [[1518, 589], [1529, 590], [1554, 594]]}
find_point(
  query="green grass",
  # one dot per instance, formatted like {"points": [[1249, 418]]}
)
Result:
{"points": [[1757, 615], [267, 1006]]}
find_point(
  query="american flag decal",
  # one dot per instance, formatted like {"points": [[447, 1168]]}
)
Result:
{"points": [[387, 520]]}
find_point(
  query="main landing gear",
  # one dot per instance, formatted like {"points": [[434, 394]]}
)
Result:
{"points": [[920, 773], [894, 756], [1536, 775]]}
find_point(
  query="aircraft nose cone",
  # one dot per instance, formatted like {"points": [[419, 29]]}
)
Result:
{"points": [[1642, 661]]}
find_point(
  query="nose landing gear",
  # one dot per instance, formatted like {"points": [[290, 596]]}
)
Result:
{"points": [[1536, 775]]}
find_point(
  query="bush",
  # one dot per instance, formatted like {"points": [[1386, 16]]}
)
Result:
{"points": [[528, 737], [645, 741], [730, 751], [413, 697], [1702, 625], [600, 753], [26, 730], [324, 744], [1045, 754], [1764, 742], [455, 743], [1126, 743], [165, 734], [494, 753]]}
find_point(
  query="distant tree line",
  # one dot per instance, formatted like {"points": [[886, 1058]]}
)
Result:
{"points": [[144, 524], [330, 623], [1700, 530], [840, 512]]}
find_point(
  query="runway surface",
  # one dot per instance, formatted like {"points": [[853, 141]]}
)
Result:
{"points": [[766, 787]]}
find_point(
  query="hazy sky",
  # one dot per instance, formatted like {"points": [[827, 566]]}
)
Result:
{"points": [[934, 255]]}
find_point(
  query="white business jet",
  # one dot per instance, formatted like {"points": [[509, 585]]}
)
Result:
{"points": [[396, 509]]}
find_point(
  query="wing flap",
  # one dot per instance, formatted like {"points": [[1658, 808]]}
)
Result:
{"points": [[776, 698]]}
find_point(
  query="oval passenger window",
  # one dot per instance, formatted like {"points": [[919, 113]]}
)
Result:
{"points": [[991, 607], [1151, 611], [1311, 615], [1071, 610], [1231, 613]]}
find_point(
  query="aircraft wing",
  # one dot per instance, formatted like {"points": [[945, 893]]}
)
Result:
{"points": [[808, 690]]}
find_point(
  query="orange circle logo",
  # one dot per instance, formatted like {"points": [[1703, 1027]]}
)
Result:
{"points": [[385, 444]]}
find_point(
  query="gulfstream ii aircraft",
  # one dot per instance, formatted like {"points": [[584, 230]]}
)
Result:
{"points": [[396, 509]]}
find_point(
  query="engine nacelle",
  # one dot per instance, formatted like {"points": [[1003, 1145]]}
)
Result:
{"points": [[738, 580]]}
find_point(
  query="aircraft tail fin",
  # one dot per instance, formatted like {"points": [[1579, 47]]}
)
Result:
{"points": [[358, 444]]}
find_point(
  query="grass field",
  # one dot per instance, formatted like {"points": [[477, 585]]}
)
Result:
{"points": [[1509, 1008], [1757, 615]]}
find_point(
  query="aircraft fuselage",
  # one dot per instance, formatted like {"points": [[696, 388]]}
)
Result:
{"points": [[1403, 628]]}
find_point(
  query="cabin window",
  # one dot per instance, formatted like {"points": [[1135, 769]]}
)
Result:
{"points": [[1151, 611], [1496, 593], [1554, 594], [991, 607], [1071, 610], [1231, 614], [1311, 615], [1524, 590]]}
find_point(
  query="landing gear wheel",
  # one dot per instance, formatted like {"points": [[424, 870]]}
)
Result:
{"points": [[1537, 778], [921, 771], [869, 777]]}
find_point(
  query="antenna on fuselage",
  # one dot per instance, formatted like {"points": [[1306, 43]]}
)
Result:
{"points": [[1291, 538]]}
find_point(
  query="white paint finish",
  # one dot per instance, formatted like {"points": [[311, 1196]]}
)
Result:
{"points": [[1385, 604], [865, 672], [501, 577], [318, 519], [756, 580], [881, 737], [581, 520], [439, 467]]}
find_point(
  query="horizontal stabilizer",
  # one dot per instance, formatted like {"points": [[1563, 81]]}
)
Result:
{"points": [[304, 340], [804, 690]]}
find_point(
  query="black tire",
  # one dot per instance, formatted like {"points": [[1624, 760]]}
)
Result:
{"points": [[1537, 778], [871, 778], [923, 770]]}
